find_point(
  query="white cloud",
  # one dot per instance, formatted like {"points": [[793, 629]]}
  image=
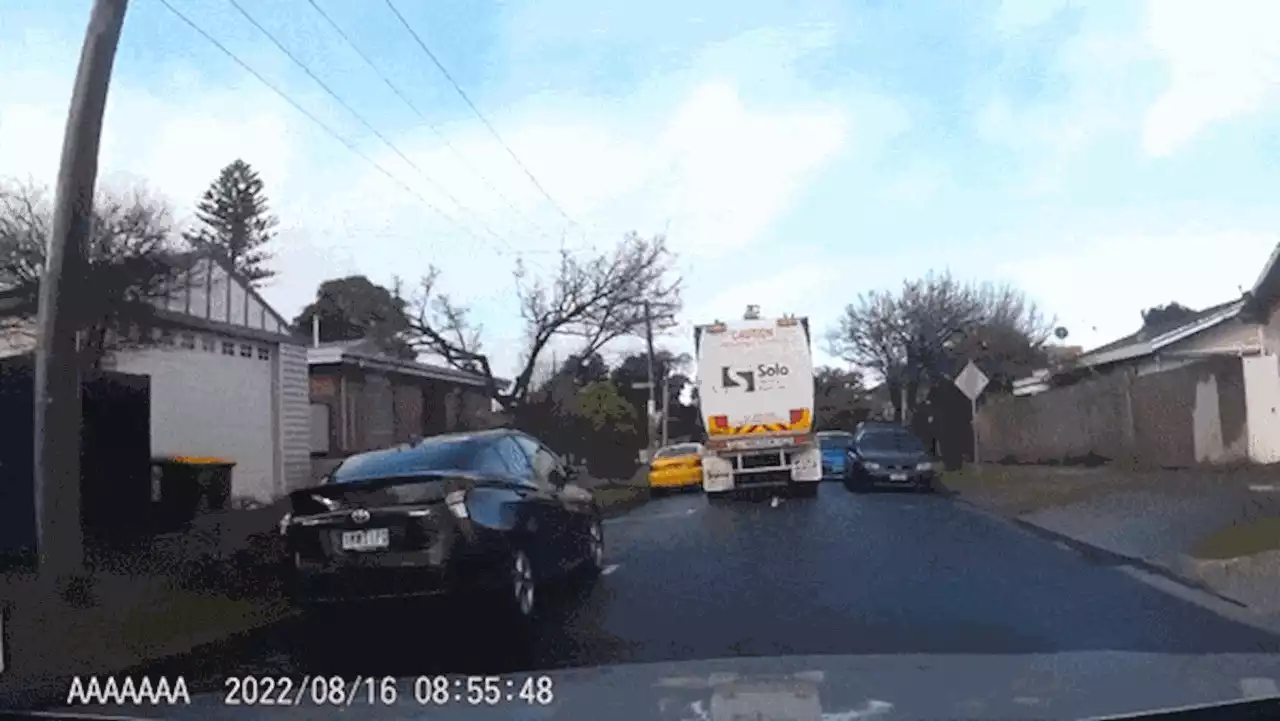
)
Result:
{"points": [[1015, 16], [1222, 60], [1098, 288], [705, 164]]}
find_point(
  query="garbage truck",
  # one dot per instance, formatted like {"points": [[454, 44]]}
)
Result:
{"points": [[755, 397]]}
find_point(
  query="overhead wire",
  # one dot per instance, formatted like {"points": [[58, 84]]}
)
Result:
{"points": [[363, 121], [412, 106], [481, 116], [312, 117]]}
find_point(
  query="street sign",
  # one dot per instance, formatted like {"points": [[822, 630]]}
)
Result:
{"points": [[971, 381]]}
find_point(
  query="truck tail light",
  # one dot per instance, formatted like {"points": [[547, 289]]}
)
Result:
{"points": [[719, 421], [797, 415]]}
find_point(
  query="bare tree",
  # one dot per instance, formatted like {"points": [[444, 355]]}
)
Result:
{"points": [[916, 337], [133, 259], [596, 300]]}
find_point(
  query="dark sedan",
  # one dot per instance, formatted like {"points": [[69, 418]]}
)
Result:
{"points": [[890, 456], [494, 511]]}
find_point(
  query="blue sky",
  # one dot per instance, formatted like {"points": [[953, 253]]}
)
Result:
{"points": [[1105, 156]]}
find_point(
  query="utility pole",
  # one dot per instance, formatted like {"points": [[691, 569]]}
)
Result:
{"points": [[59, 536], [666, 410], [653, 386]]}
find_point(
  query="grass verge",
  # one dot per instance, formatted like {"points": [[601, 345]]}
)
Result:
{"points": [[616, 499], [1242, 539], [1018, 490], [116, 623]]}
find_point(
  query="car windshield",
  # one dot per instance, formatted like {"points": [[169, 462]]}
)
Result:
{"points": [[887, 440], [687, 449], [404, 460], [835, 441]]}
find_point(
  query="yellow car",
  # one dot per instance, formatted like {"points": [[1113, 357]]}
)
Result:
{"points": [[678, 466]]}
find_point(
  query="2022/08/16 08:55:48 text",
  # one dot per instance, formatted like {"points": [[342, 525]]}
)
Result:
{"points": [[388, 690]]}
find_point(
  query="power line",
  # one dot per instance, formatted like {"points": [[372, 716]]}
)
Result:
{"points": [[311, 116], [493, 131], [361, 118], [387, 81]]}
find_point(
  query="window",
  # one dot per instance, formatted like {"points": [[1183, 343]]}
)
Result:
{"points": [[228, 348], [208, 344], [889, 440], [545, 464], [490, 459], [264, 353], [517, 461], [246, 350], [403, 461], [166, 337], [188, 341], [684, 449], [838, 441]]}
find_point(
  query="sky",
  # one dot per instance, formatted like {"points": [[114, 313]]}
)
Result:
{"points": [[1103, 156]]}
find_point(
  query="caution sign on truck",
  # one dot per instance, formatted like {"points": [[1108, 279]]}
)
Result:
{"points": [[756, 376]]}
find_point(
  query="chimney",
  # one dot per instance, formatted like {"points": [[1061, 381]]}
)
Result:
{"points": [[315, 329]]}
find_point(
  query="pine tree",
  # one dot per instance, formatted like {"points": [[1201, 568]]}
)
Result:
{"points": [[236, 221]]}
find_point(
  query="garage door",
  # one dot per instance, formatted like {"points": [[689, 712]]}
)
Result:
{"points": [[213, 399]]}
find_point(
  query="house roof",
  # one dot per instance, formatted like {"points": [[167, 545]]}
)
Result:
{"points": [[195, 267], [1266, 289], [364, 352], [1149, 340]]}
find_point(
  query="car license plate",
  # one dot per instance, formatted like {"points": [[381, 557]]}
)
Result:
{"points": [[367, 540], [897, 476]]}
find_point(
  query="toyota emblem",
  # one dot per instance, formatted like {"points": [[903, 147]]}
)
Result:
{"points": [[360, 515]]}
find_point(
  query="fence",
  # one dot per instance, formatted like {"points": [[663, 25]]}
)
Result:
{"points": [[1175, 418]]}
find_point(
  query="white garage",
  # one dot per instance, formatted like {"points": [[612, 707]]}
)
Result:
{"points": [[228, 380]]}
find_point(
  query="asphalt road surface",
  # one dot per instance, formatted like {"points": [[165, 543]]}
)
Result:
{"points": [[843, 573]]}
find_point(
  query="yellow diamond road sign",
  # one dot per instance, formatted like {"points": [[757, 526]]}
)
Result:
{"points": [[971, 381]]}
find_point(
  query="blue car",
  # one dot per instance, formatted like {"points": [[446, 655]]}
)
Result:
{"points": [[835, 447]]}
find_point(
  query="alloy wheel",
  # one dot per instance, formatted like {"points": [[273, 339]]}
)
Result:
{"points": [[522, 583], [597, 544]]}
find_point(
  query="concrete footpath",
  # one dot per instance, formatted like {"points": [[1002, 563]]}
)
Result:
{"points": [[1213, 527]]}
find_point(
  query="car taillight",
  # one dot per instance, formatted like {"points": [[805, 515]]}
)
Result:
{"points": [[720, 421], [457, 503], [797, 415]]}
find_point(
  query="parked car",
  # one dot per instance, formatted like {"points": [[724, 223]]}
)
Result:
{"points": [[676, 466], [494, 511], [890, 456], [835, 447]]}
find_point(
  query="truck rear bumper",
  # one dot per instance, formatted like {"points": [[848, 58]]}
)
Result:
{"points": [[761, 469]]}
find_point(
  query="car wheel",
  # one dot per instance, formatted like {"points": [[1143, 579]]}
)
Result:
{"points": [[523, 587], [595, 548]]}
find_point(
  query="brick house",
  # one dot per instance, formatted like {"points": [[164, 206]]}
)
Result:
{"points": [[363, 399]]}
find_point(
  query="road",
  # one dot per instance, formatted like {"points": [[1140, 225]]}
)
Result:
{"points": [[840, 574]]}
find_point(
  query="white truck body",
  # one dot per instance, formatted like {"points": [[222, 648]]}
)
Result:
{"points": [[755, 391]]}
